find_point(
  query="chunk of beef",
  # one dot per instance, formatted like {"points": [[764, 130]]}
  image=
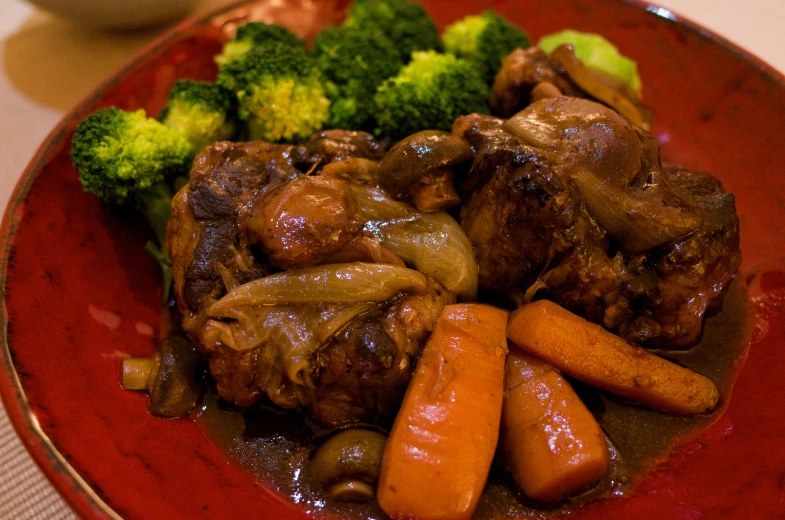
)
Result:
{"points": [[692, 274], [208, 238], [535, 236], [360, 374]]}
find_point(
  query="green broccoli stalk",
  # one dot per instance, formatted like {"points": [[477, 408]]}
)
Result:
{"points": [[355, 62], [483, 40], [429, 94], [201, 112], [596, 53], [405, 23], [280, 92], [127, 157], [256, 34]]}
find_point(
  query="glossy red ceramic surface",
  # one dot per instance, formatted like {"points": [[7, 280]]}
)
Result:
{"points": [[80, 292]]}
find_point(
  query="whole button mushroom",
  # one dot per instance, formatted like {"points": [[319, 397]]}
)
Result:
{"points": [[347, 466], [422, 167], [169, 376]]}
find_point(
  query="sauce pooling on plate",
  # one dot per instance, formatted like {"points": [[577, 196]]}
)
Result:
{"points": [[275, 447]]}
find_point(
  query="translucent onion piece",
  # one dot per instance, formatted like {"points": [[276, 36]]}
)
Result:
{"points": [[375, 204], [230, 282], [638, 220], [296, 332], [335, 283], [434, 244]]}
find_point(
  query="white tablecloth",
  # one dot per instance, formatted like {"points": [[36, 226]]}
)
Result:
{"points": [[37, 47]]}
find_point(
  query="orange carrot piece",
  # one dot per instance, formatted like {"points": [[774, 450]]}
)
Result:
{"points": [[437, 458], [593, 355], [551, 442]]}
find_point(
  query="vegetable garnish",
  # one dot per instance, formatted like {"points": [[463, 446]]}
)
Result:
{"points": [[441, 446], [335, 283], [551, 442], [593, 355]]}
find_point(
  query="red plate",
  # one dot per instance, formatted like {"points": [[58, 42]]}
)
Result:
{"points": [[80, 291]]}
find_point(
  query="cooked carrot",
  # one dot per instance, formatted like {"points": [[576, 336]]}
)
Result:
{"points": [[593, 355], [550, 441], [438, 455]]}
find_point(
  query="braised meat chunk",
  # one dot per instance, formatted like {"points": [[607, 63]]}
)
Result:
{"points": [[345, 362], [568, 201], [208, 238], [250, 210]]}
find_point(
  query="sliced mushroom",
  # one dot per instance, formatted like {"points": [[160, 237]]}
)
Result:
{"points": [[422, 168], [169, 376], [347, 466], [356, 170]]}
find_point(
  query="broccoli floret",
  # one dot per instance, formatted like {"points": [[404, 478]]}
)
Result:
{"points": [[280, 92], [405, 23], [119, 154], [484, 40], [597, 53], [355, 62], [256, 34], [126, 156], [200, 111], [428, 94]]}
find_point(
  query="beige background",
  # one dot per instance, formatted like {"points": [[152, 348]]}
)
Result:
{"points": [[48, 64]]}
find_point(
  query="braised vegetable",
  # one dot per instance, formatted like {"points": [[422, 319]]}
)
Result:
{"points": [[169, 376], [422, 168], [551, 442], [603, 87], [440, 449], [347, 466], [434, 244], [484, 40], [334, 283], [639, 219], [593, 355]]}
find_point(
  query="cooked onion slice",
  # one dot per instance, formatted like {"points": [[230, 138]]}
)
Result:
{"points": [[335, 283], [295, 332], [434, 244], [639, 220], [614, 93]]}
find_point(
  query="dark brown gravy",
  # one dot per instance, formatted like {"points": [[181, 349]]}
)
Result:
{"points": [[275, 448]]}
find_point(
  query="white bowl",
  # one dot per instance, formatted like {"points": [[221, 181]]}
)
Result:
{"points": [[117, 14]]}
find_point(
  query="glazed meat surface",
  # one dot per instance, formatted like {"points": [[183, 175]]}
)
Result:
{"points": [[535, 236], [360, 374], [218, 237], [208, 237]]}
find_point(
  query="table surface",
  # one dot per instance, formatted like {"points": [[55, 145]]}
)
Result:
{"points": [[34, 98]]}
